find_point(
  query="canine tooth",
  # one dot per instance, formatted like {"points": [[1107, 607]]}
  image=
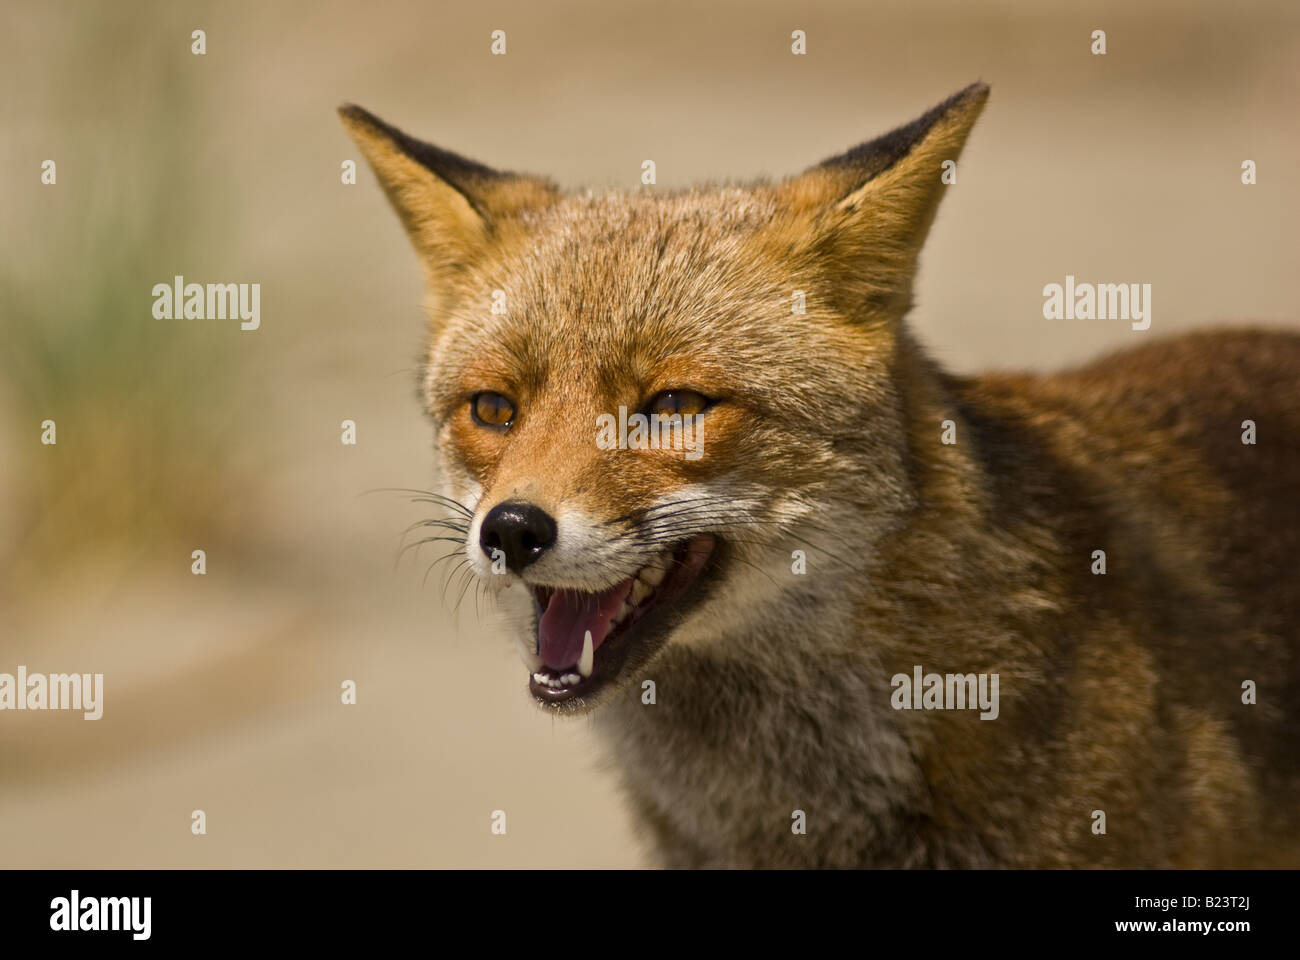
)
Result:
{"points": [[640, 590], [539, 677], [653, 573], [588, 658]]}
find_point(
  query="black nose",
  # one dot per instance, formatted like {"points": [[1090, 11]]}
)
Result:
{"points": [[521, 531]]}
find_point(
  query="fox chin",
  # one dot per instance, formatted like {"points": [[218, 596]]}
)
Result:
{"points": [[883, 615]]}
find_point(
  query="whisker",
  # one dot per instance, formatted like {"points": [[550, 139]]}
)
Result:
{"points": [[670, 533], [418, 543], [451, 575], [664, 506], [468, 580], [443, 559], [425, 496], [446, 524]]}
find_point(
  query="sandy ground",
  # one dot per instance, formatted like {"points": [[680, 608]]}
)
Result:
{"points": [[222, 691]]}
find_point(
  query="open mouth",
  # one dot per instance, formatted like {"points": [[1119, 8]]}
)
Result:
{"points": [[584, 639]]}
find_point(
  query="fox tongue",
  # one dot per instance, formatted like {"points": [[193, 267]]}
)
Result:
{"points": [[567, 618]]}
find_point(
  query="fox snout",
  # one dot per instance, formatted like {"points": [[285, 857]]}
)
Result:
{"points": [[595, 590]]}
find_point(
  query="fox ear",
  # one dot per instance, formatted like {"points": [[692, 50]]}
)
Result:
{"points": [[873, 205], [451, 206]]}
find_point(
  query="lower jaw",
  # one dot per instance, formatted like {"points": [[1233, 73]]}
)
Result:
{"points": [[638, 640]]}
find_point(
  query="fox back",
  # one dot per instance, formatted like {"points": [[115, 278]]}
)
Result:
{"points": [[727, 503]]}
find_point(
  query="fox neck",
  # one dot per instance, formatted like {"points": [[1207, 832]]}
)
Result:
{"points": [[783, 702]]}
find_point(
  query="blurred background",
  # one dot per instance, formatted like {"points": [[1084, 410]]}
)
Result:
{"points": [[222, 691]]}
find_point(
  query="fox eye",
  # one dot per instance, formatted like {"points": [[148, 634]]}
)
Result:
{"points": [[685, 403], [491, 410]]}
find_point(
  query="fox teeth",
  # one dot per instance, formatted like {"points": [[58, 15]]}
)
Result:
{"points": [[554, 682], [588, 658], [640, 590], [653, 574]]}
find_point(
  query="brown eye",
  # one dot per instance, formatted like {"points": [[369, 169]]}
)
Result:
{"points": [[684, 403], [492, 410]]}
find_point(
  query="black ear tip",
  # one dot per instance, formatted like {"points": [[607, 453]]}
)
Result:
{"points": [[350, 111], [977, 92]]}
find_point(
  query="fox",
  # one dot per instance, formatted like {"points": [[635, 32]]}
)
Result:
{"points": [[1113, 547]]}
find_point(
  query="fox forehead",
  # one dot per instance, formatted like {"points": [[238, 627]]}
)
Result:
{"points": [[634, 293], [792, 289]]}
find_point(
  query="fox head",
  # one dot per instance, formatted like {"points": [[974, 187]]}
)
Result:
{"points": [[654, 409]]}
